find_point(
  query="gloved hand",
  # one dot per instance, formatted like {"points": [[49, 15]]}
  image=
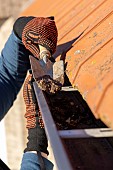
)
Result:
{"points": [[35, 31], [37, 140]]}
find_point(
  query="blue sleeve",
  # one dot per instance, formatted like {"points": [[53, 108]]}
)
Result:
{"points": [[31, 161], [14, 63]]}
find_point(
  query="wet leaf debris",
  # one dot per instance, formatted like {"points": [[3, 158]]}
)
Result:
{"points": [[70, 111]]}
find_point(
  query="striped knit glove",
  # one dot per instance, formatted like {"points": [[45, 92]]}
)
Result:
{"points": [[37, 140]]}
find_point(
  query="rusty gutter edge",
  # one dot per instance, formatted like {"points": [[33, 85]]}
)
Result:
{"points": [[61, 157]]}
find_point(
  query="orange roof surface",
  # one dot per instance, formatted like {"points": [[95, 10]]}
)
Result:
{"points": [[86, 37]]}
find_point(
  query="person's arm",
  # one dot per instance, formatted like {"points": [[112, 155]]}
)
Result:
{"points": [[14, 63], [29, 33], [35, 153], [32, 161]]}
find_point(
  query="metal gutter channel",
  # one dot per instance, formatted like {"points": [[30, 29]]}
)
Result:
{"points": [[51, 131], [85, 27]]}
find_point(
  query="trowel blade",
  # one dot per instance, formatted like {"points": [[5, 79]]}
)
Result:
{"points": [[54, 70]]}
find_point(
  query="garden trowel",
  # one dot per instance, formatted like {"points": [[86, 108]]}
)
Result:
{"points": [[44, 67]]}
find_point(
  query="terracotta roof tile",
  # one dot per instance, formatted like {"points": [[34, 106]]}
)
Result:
{"points": [[85, 32]]}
